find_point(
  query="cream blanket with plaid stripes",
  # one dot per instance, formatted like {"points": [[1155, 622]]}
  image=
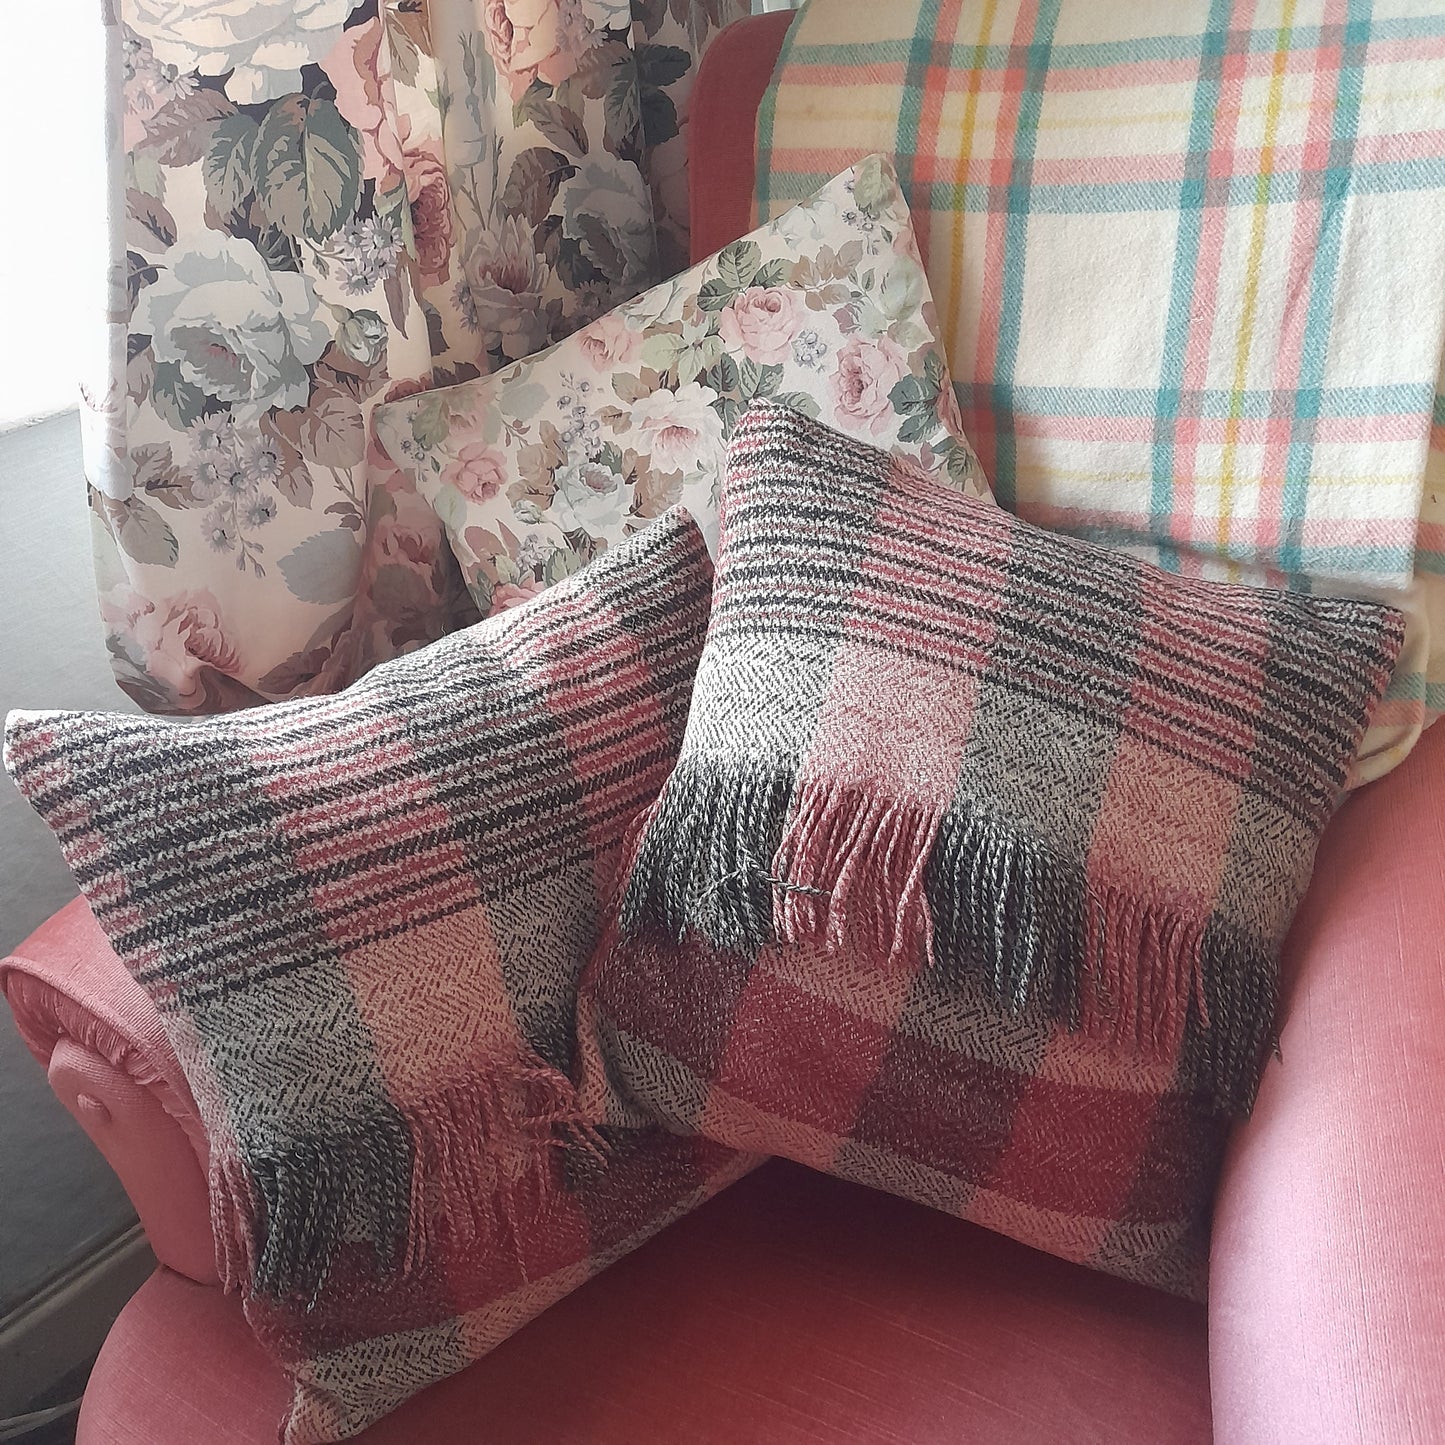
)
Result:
{"points": [[1189, 263]]}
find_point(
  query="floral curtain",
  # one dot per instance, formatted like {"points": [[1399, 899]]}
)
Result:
{"points": [[318, 205]]}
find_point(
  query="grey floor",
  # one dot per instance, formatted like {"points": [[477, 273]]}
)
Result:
{"points": [[58, 1200]]}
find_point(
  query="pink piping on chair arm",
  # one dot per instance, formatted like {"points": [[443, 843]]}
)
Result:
{"points": [[100, 1039]]}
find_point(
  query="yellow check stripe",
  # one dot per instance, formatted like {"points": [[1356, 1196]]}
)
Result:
{"points": [[953, 299], [1250, 301]]}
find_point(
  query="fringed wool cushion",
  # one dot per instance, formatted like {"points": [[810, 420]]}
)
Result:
{"points": [[971, 877], [362, 918]]}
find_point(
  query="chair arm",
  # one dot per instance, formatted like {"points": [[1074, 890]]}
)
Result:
{"points": [[1326, 1312], [736, 69], [100, 1039]]}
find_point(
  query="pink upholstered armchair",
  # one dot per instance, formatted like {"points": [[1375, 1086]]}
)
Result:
{"points": [[799, 1308]]}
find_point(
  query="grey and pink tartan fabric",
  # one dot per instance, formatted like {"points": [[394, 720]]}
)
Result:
{"points": [[363, 919], [971, 877]]}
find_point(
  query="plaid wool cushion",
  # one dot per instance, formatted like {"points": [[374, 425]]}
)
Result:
{"points": [[362, 918], [971, 876]]}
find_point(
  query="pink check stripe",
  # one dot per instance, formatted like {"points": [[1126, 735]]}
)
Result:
{"points": [[1124, 75], [1210, 431]]}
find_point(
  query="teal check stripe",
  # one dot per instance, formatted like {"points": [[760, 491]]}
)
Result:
{"points": [[1147, 51], [1190, 204], [1097, 198], [1319, 324], [1019, 205], [1093, 402]]}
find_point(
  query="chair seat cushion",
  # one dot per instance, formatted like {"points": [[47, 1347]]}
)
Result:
{"points": [[793, 1308]]}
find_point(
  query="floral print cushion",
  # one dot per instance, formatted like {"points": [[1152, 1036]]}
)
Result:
{"points": [[535, 469]]}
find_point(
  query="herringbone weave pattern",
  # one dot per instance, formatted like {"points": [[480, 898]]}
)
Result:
{"points": [[362, 918], [971, 877]]}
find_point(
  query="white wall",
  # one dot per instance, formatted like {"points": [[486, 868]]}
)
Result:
{"points": [[52, 193], [58, 1200]]}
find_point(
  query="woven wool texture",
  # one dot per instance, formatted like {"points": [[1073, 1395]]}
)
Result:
{"points": [[970, 879], [362, 918], [1187, 267]]}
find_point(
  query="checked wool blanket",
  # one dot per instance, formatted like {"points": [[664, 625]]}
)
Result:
{"points": [[970, 880], [1187, 266], [362, 919]]}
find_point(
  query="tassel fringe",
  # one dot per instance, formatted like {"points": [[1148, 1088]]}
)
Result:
{"points": [[749, 859], [702, 863], [453, 1169], [861, 862]]}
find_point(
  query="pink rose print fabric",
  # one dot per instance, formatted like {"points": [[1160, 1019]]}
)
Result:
{"points": [[762, 323], [331, 206], [537, 468], [479, 472], [862, 385], [535, 40]]}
